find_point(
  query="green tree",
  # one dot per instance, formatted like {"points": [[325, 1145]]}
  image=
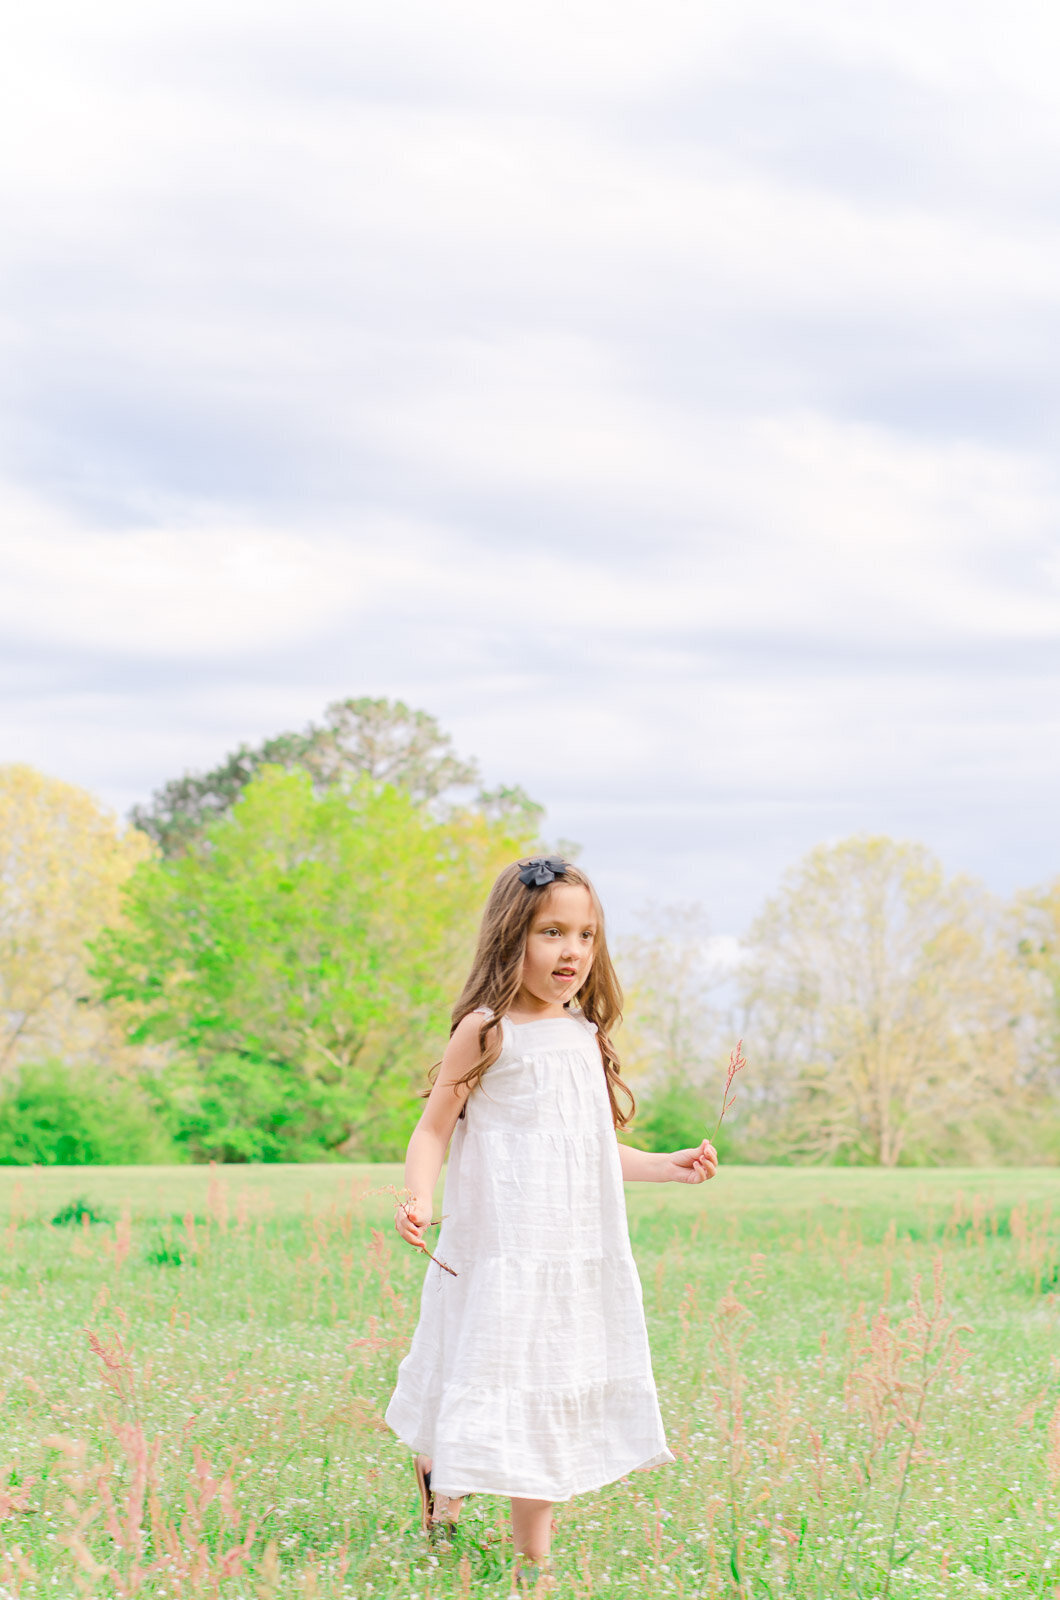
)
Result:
{"points": [[385, 740], [884, 1010], [302, 960]]}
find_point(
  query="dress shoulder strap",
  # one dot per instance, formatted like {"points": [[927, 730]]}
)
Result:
{"points": [[505, 1025]]}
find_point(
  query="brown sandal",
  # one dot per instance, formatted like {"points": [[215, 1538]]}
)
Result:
{"points": [[431, 1528], [532, 1577]]}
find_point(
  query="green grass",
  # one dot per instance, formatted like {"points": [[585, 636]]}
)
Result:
{"points": [[197, 1378]]}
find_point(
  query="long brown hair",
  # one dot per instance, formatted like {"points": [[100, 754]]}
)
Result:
{"points": [[497, 970]]}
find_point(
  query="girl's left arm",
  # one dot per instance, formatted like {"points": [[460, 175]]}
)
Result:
{"points": [[674, 1166]]}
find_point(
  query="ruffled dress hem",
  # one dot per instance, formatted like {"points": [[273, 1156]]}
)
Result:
{"points": [[422, 1445]]}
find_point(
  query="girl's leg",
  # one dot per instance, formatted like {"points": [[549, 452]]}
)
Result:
{"points": [[532, 1530], [447, 1508]]}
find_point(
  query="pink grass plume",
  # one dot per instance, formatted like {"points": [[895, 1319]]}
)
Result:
{"points": [[736, 1063]]}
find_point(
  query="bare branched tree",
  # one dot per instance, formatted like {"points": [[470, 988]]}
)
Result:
{"points": [[675, 1013], [884, 1005]]}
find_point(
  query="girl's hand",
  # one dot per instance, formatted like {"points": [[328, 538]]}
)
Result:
{"points": [[410, 1219], [693, 1166]]}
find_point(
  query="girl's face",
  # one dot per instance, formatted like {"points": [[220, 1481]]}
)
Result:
{"points": [[559, 949]]}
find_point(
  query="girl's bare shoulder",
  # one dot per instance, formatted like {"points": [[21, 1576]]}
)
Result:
{"points": [[465, 1036]]}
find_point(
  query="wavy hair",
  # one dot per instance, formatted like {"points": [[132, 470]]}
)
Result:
{"points": [[496, 976]]}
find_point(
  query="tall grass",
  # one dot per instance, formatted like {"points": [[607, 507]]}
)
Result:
{"points": [[859, 1371]]}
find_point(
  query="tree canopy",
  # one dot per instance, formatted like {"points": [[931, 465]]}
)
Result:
{"points": [[384, 740], [301, 959], [268, 977]]}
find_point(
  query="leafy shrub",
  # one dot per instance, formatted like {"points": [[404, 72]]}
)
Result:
{"points": [[237, 1107], [676, 1113], [75, 1211], [163, 1253], [54, 1115]]}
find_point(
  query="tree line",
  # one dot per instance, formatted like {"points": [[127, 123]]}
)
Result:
{"points": [[259, 967]]}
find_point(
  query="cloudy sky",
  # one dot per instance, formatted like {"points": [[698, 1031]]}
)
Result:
{"points": [[664, 396]]}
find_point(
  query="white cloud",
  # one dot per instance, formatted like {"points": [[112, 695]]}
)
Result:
{"points": [[802, 523], [201, 587], [662, 396]]}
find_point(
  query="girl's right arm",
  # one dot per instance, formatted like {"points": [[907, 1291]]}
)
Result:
{"points": [[432, 1134]]}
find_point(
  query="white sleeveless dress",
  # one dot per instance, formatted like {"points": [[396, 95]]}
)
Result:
{"points": [[529, 1372]]}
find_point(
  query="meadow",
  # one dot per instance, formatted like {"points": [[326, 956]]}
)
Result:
{"points": [[859, 1372]]}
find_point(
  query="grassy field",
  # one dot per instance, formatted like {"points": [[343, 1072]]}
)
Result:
{"points": [[859, 1371]]}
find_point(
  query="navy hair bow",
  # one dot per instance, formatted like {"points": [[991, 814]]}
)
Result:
{"points": [[541, 870]]}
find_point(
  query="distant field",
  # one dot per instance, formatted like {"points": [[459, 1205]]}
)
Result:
{"points": [[192, 1389]]}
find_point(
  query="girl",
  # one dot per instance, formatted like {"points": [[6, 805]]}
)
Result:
{"points": [[529, 1373]]}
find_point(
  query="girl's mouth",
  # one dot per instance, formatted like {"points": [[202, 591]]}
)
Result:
{"points": [[564, 972]]}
